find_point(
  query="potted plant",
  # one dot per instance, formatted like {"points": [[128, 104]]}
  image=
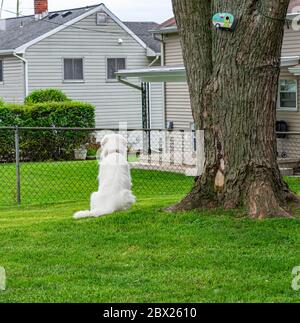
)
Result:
{"points": [[81, 152]]}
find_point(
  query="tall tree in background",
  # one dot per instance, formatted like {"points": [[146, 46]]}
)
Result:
{"points": [[233, 78]]}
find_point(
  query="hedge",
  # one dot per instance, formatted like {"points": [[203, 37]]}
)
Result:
{"points": [[48, 144], [46, 95]]}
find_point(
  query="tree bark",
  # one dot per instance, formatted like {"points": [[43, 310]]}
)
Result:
{"points": [[233, 79]]}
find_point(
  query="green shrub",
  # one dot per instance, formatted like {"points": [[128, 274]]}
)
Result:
{"points": [[46, 144], [46, 95]]}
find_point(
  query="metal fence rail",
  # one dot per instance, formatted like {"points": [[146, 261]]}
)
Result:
{"points": [[51, 165]]}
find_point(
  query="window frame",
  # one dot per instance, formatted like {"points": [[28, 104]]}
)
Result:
{"points": [[73, 80], [2, 68], [108, 80], [101, 23], [288, 109]]}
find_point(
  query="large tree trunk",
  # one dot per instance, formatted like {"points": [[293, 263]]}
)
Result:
{"points": [[233, 77]]}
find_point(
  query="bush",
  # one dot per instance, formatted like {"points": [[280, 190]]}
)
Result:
{"points": [[46, 95], [47, 144]]}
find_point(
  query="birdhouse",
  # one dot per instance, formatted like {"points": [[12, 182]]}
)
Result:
{"points": [[223, 20]]}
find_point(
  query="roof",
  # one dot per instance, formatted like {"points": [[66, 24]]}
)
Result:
{"points": [[293, 5], [169, 26], [15, 36], [168, 23], [26, 29], [142, 30]]}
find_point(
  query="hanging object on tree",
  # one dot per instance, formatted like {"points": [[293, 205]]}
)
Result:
{"points": [[223, 20]]}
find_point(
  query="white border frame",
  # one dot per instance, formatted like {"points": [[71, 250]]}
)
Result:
{"points": [[107, 80], [279, 108], [63, 70]]}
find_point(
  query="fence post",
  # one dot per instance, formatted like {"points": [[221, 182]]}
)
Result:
{"points": [[18, 178]]}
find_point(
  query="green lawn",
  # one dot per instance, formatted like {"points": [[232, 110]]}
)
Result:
{"points": [[52, 182], [145, 254]]}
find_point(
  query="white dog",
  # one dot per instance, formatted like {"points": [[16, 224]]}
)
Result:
{"points": [[114, 193]]}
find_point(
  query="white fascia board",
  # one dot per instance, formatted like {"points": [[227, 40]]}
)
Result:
{"points": [[101, 7], [295, 70], [292, 15], [289, 61]]}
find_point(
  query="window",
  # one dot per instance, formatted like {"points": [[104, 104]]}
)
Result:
{"points": [[1, 71], [73, 69], [101, 18], [288, 95], [114, 65]]}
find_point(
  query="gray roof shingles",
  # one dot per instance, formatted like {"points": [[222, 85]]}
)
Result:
{"points": [[21, 30], [142, 30]]}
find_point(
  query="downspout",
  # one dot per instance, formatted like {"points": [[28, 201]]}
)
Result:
{"points": [[24, 60], [150, 95], [155, 60]]}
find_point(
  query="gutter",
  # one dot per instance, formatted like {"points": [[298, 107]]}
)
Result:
{"points": [[6, 52], [165, 30], [25, 62]]}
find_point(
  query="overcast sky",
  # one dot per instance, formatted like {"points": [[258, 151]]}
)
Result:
{"points": [[134, 10]]}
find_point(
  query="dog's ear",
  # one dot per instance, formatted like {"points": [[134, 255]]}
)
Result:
{"points": [[104, 141]]}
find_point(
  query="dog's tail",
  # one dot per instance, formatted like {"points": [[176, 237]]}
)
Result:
{"points": [[91, 214], [83, 214]]}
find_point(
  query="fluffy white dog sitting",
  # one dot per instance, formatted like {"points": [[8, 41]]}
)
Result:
{"points": [[114, 193]]}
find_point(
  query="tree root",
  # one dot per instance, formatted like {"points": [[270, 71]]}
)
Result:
{"points": [[261, 201]]}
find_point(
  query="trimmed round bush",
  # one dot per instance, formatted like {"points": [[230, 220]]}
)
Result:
{"points": [[46, 95]]}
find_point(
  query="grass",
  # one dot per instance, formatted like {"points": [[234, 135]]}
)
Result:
{"points": [[50, 182], [145, 254]]}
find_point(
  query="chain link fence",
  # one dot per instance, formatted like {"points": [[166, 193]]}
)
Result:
{"points": [[55, 165]]}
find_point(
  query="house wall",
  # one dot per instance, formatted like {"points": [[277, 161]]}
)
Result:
{"points": [[114, 102], [12, 89], [291, 43], [291, 117], [177, 98]]}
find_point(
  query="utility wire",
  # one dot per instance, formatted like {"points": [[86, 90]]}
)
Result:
{"points": [[260, 11]]}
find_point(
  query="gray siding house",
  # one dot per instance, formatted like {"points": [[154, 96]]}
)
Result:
{"points": [[79, 51], [177, 109], [176, 94]]}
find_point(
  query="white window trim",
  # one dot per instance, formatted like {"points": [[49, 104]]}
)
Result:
{"points": [[106, 67], [279, 108], [63, 70]]}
